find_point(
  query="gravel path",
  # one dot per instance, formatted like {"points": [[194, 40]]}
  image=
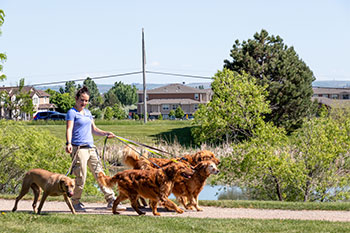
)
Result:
{"points": [[208, 212]]}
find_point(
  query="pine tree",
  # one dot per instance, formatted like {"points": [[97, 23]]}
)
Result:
{"points": [[278, 66]]}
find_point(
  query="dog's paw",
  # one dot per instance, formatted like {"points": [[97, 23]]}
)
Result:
{"points": [[180, 211]]}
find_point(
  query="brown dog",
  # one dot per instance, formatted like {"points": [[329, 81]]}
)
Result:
{"points": [[154, 184], [133, 160], [52, 184], [188, 190]]}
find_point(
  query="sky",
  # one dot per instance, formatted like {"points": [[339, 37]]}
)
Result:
{"points": [[62, 40]]}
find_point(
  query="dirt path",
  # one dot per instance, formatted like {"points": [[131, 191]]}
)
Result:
{"points": [[208, 212]]}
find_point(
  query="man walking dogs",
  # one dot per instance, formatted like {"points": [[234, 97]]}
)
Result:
{"points": [[80, 144]]}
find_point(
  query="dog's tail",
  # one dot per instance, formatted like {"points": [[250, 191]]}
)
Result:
{"points": [[106, 181], [132, 159]]}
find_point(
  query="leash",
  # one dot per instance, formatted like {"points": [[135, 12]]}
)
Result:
{"points": [[147, 147], [138, 152]]}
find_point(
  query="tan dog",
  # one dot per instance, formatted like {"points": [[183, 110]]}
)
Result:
{"points": [[52, 184], [188, 190], [155, 184]]}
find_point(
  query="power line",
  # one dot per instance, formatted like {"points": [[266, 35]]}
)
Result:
{"points": [[181, 75], [124, 74], [82, 79]]}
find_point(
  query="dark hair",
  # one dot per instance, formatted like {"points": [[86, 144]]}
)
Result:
{"points": [[83, 90]]}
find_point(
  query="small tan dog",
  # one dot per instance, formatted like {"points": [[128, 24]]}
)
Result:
{"points": [[52, 184]]}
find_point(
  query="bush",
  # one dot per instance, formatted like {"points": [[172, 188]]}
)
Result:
{"points": [[23, 147]]}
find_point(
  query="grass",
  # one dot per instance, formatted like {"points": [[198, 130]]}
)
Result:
{"points": [[26, 222], [152, 132]]}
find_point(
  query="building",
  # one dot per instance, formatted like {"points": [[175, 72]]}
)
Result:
{"points": [[332, 97], [41, 102], [160, 101]]}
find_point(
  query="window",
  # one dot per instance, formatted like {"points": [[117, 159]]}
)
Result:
{"points": [[325, 95], [196, 96], [334, 96], [165, 106], [175, 106], [195, 106], [35, 101], [346, 96]]}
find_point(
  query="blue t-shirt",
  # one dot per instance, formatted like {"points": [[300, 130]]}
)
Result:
{"points": [[81, 134]]}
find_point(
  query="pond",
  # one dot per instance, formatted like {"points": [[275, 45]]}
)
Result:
{"points": [[217, 192]]}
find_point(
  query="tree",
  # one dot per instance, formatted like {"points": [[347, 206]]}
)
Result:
{"points": [[172, 113], [110, 99], [63, 101], [108, 115], [179, 113], [235, 110], [2, 55], [95, 97], [288, 78], [126, 94], [18, 102], [118, 112]]}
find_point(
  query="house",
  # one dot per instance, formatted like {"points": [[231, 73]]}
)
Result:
{"points": [[160, 101], [332, 97], [41, 102]]}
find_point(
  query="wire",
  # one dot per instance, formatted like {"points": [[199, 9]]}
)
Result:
{"points": [[100, 77], [181, 75]]}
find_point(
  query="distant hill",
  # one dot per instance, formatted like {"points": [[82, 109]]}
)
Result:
{"points": [[331, 83], [103, 88]]}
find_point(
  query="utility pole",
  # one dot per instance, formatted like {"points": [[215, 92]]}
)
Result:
{"points": [[144, 79]]}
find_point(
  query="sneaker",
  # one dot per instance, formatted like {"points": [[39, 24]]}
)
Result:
{"points": [[79, 207], [120, 207]]}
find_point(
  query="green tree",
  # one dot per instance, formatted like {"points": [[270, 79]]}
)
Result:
{"points": [[108, 114], [3, 56], [126, 94], [19, 102], [63, 101], [110, 99], [70, 88], [172, 113], [322, 148], [235, 110], [263, 167], [95, 96], [160, 117], [288, 78], [118, 112], [179, 113]]}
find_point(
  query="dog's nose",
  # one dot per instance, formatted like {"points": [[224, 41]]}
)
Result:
{"points": [[70, 193]]}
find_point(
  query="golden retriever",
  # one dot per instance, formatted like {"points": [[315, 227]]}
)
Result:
{"points": [[154, 184], [133, 160], [188, 190], [52, 184]]}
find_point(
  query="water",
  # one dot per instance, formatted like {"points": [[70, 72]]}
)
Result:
{"points": [[208, 193]]}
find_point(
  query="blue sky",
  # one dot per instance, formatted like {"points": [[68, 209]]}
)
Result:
{"points": [[61, 40]]}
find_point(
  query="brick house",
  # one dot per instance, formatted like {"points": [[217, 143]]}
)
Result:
{"points": [[166, 98], [41, 101], [332, 97]]}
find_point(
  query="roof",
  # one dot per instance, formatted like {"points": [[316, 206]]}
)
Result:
{"points": [[334, 103], [13, 90], [41, 93], [330, 90], [172, 101], [175, 88]]}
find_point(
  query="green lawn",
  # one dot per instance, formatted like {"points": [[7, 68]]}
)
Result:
{"points": [[151, 132], [27, 222]]}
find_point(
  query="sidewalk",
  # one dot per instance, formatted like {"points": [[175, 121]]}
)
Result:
{"points": [[208, 212]]}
